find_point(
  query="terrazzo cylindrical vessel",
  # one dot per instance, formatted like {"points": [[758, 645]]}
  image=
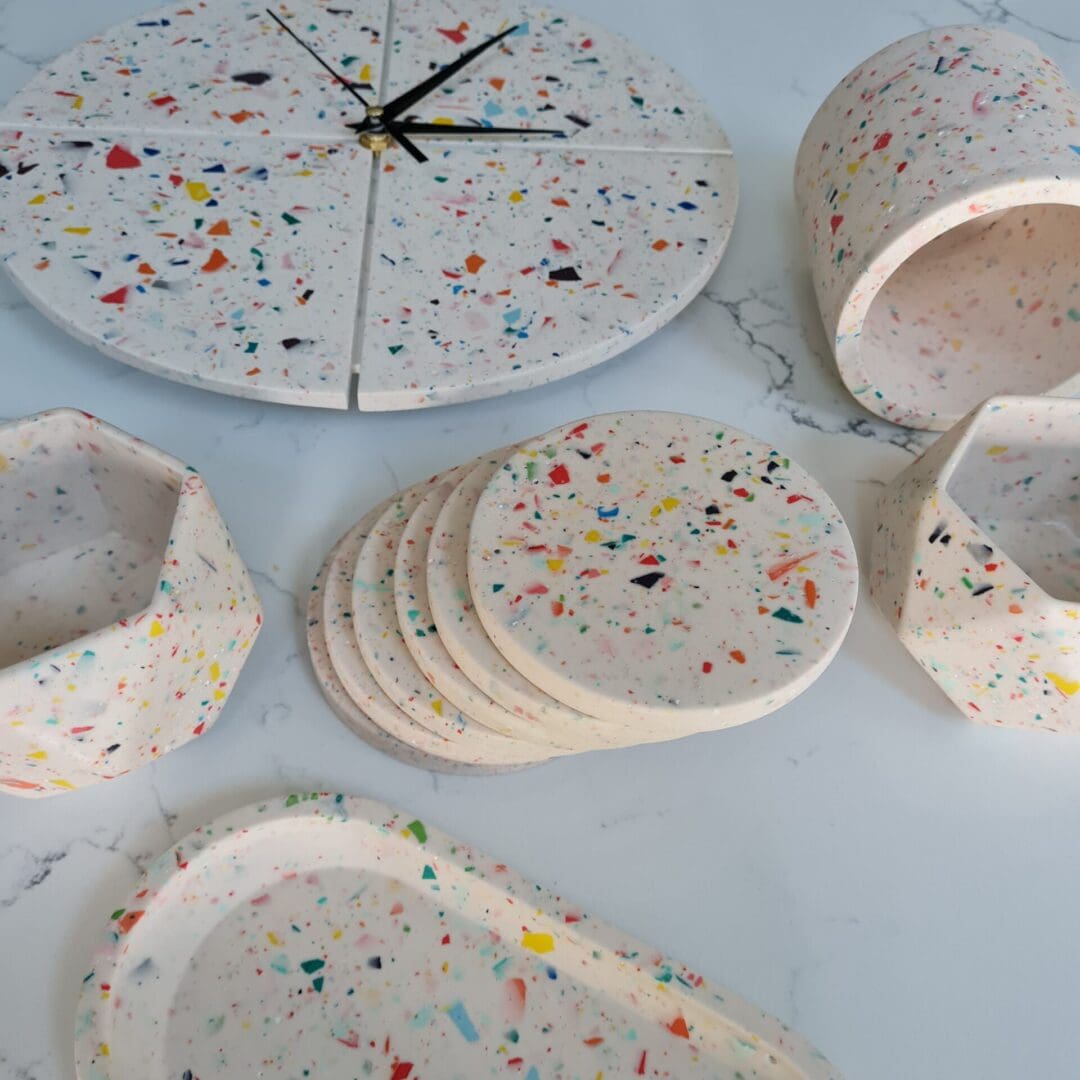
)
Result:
{"points": [[939, 189], [976, 562], [126, 612]]}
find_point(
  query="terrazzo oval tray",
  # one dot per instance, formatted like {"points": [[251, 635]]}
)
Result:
{"points": [[126, 613], [976, 562], [329, 936], [939, 188]]}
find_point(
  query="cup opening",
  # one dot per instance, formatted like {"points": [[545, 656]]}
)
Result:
{"points": [[992, 306], [85, 518], [1021, 486]]}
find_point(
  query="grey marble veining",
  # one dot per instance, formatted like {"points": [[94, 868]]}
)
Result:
{"points": [[863, 864]]}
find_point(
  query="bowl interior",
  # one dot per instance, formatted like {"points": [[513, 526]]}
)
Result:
{"points": [[1019, 481], [85, 517], [990, 307]]}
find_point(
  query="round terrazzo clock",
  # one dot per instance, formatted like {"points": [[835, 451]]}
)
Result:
{"points": [[437, 200]]}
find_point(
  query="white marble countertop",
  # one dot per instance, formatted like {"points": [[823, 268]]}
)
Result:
{"points": [[896, 883]]}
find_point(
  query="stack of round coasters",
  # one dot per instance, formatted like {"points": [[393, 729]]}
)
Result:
{"points": [[629, 578]]}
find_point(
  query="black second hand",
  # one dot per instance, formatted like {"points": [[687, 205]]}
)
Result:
{"points": [[407, 144], [318, 59]]}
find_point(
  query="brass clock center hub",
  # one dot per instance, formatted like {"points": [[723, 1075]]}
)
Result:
{"points": [[375, 141]]}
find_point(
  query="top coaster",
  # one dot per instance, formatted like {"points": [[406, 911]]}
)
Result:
{"points": [[665, 567]]}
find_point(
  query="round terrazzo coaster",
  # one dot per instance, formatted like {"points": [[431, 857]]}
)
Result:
{"points": [[665, 567], [465, 639], [438, 752], [421, 637], [382, 646], [347, 710]]}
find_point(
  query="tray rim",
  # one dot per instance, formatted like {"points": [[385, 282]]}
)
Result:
{"points": [[544, 905]]}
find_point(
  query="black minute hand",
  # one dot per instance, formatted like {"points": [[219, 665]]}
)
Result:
{"points": [[414, 128], [405, 101]]}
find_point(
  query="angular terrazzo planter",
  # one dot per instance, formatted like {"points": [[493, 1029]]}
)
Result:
{"points": [[126, 612], [976, 562], [939, 187]]}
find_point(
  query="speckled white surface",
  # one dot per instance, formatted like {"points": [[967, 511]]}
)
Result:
{"points": [[202, 68], [182, 191], [320, 619], [503, 269], [355, 679], [223, 263], [559, 70], [382, 645], [888, 878], [417, 626]]}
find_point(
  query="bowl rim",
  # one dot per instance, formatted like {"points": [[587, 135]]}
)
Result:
{"points": [[976, 422], [181, 514]]}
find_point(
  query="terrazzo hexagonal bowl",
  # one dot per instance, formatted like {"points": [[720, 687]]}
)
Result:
{"points": [[976, 562], [939, 189], [126, 611]]}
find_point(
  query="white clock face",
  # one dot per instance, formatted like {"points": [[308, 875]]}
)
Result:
{"points": [[183, 192]]}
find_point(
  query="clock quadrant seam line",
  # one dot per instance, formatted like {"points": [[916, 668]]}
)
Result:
{"points": [[539, 146], [171, 133], [370, 222], [387, 55], [329, 138]]}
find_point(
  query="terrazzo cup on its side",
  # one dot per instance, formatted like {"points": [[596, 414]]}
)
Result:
{"points": [[976, 562], [939, 188], [127, 613]]}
